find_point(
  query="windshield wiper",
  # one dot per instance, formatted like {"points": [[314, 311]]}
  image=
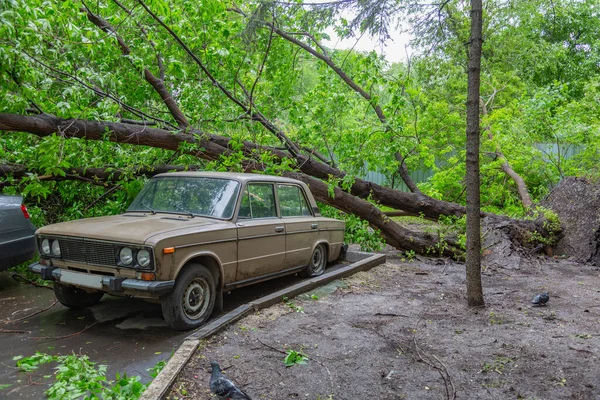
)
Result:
{"points": [[149, 208], [183, 210]]}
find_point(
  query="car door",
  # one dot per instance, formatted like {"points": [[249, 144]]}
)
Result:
{"points": [[261, 233], [301, 226]]}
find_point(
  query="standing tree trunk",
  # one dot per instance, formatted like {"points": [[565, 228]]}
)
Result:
{"points": [[474, 289]]}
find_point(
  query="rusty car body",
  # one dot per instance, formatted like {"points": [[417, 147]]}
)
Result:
{"points": [[187, 238]]}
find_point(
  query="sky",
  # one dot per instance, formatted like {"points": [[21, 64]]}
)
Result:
{"points": [[394, 51]]}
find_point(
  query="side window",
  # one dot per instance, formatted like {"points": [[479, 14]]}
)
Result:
{"points": [[292, 201], [258, 201]]}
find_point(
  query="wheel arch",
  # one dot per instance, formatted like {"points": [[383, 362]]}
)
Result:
{"points": [[210, 261], [325, 243]]}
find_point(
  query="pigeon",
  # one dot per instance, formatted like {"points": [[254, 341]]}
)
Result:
{"points": [[541, 299], [223, 387]]}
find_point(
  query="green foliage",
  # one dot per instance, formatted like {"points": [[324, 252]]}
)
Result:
{"points": [[551, 226], [498, 365], [154, 371], [293, 305], [77, 377], [540, 85], [294, 358], [357, 231]]}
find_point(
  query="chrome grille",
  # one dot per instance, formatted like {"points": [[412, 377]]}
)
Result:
{"points": [[89, 252]]}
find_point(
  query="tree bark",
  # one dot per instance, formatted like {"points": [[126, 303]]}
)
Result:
{"points": [[473, 255]]}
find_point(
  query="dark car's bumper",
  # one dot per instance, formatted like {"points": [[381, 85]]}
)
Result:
{"points": [[108, 283], [17, 251]]}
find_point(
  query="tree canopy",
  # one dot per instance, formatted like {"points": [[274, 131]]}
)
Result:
{"points": [[104, 92]]}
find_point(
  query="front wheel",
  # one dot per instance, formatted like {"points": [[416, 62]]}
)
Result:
{"points": [[317, 263], [192, 300], [74, 297]]}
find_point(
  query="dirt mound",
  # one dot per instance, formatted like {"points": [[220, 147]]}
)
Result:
{"points": [[577, 203]]}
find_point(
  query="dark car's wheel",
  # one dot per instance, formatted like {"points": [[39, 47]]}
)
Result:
{"points": [[317, 263], [192, 300], [73, 297]]}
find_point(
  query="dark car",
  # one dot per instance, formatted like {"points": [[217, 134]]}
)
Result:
{"points": [[17, 233]]}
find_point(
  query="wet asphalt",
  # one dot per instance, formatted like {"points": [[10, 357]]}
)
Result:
{"points": [[127, 335]]}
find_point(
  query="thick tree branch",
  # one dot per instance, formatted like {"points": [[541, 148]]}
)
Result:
{"points": [[506, 167], [395, 235], [211, 147]]}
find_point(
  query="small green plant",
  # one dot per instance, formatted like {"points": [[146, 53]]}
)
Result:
{"points": [[154, 371], [560, 381], [551, 226], [497, 365], [294, 357], [583, 336], [409, 254], [495, 319], [292, 305], [314, 297], [78, 377]]}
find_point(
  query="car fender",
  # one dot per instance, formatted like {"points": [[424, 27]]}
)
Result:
{"points": [[201, 257]]}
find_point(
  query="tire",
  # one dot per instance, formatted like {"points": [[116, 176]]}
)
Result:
{"points": [[318, 262], [192, 300], [74, 297]]}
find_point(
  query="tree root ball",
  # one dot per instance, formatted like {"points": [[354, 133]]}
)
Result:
{"points": [[577, 203]]}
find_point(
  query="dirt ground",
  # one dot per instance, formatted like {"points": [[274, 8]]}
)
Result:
{"points": [[403, 331]]}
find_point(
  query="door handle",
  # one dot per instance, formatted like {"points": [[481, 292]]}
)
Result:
{"points": [[314, 226], [279, 229]]}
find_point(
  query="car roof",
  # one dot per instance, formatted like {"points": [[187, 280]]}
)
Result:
{"points": [[242, 177]]}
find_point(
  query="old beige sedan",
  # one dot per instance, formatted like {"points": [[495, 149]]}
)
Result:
{"points": [[187, 238]]}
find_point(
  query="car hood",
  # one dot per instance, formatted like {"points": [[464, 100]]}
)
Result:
{"points": [[126, 228]]}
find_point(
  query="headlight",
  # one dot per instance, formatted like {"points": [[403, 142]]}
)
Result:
{"points": [[56, 248], [126, 256], [143, 258], [46, 246]]}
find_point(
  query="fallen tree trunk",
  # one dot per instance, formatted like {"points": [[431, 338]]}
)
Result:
{"points": [[395, 235], [212, 147]]}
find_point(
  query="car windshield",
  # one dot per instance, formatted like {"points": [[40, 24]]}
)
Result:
{"points": [[209, 197]]}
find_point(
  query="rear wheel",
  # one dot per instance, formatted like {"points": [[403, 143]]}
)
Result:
{"points": [[74, 297], [192, 300], [318, 262]]}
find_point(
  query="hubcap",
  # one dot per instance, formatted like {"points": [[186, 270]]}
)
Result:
{"points": [[195, 298]]}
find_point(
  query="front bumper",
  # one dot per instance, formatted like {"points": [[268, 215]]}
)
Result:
{"points": [[108, 283]]}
